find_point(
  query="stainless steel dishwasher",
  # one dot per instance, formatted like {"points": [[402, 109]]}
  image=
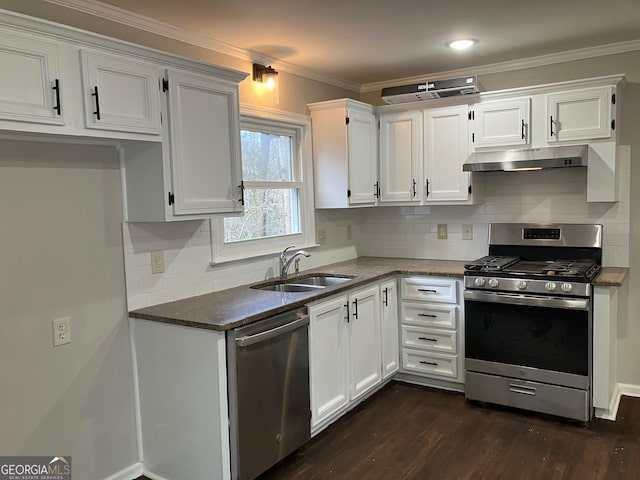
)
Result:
{"points": [[268, 379]]}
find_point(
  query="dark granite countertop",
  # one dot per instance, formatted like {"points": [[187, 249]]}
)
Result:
{"points": [[233, 307]]}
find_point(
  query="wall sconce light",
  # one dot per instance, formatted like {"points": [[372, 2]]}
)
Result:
{"points": [[268, 76]]}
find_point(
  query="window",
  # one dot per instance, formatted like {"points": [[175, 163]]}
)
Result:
{"points": [[278, 208]]}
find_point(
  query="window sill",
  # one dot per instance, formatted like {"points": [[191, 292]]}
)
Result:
{"points": [[239, 258]]}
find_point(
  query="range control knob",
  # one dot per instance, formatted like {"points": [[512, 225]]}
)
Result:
{"points": [[479, 282], [566, 287], [493, 282], [551, 286], [521, 284]]}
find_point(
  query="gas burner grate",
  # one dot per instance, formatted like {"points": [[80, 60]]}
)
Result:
{"points": [[491, 263]]}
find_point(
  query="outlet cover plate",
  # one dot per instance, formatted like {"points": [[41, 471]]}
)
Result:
{"points": [[157, 261], [467, 232], [61, 331]]}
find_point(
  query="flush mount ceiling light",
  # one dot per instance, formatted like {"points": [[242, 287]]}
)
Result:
{"points": [[461, 44]]}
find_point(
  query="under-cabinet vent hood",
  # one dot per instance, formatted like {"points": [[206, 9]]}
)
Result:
{"points": [[432, 89], [527, 159]]}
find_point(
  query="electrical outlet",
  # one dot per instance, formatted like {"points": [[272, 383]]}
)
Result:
{"points": [[321, 236], [61, 331], [467, 232], [157, 261], [349, 236], [442, 231]]}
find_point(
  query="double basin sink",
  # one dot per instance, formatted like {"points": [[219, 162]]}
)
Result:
{"points": [[303, 284]]}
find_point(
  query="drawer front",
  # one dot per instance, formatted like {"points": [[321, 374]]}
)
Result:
{"points": [[567, 402], [443, 341], [420, 314], [442, 290], [430, 364]]}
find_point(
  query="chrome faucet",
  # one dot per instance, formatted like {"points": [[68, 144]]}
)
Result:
{"points": [[286, 262]]}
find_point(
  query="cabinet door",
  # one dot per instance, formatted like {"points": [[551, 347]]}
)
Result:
{"points": [[30, 82], [120, 94], [363, 158], [364, 340], [579, 114], [389, 328], [446, 149], [400, 156], [328, 358], [502, 123], [204, 128]]}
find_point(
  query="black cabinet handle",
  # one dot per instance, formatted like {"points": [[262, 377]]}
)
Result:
{"points": [[386, 297], [95, 94], [429, 363], [355, 309], [57, 106], [427, 315], [347, 307], [551, 126], [427, 187], [376, 190], [522, 130], [428, 339], [414, 188], [427, 290]]}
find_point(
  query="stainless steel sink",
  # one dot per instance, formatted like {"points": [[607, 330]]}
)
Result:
{"points": [[303, 284], [288, 287], [321, 280]]}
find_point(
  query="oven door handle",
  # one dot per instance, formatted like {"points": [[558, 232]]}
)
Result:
{"points": [[527, 300]]}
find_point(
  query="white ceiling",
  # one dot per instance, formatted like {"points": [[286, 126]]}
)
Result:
{"points": [[366, 41]]}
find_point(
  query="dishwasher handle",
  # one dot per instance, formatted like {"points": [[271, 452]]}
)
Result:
{"points": [[274, 332]]}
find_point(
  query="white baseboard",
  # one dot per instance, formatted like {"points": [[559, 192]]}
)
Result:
{"points": [[620, 389], [129, 473], [629, 389]]}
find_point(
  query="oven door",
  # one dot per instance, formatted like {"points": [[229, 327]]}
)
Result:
{"points": [[539, 338]]}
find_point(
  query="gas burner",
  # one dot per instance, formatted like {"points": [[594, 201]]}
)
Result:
{"points": [[491, 263]]}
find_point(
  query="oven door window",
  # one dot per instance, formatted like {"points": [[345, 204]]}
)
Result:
{"points": [[545, 338]]}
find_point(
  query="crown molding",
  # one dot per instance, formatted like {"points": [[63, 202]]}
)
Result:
{"points": [[531, 62], [140, 22], [271, 114]]}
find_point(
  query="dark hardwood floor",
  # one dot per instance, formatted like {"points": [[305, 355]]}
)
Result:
{"points": [[411, 432]]}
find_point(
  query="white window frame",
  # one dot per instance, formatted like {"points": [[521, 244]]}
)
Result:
{"points": [[272, 120]]}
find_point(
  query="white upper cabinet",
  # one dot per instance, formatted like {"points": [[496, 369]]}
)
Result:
{"points": [[345, 153], [501, 123], [582, 114], [204, 131], [446, 140], [30, 83], [400, 156], [120, 93]]}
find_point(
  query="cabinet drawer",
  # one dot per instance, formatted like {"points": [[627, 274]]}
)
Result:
{"points": [[429, 289], [440, 316], [431, 364], [443, 341]]}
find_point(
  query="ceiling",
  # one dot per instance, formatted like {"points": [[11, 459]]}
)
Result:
{"points": [[367, 41]]}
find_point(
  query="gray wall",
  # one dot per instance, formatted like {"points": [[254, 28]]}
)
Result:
{"points": [[61, 251]]}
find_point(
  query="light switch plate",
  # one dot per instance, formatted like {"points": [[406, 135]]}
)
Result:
{"points": [[442, 231], [467, 232], [321, 235]]}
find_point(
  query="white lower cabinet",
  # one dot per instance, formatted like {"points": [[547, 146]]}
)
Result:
{"points": [[389, 328], [431, 322], [346, 350]]}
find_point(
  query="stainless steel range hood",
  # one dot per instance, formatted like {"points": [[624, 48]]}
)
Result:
{"points": [[527, 159]]}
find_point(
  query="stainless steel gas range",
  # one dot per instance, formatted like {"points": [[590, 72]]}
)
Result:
{"points": [[529, 318]]}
